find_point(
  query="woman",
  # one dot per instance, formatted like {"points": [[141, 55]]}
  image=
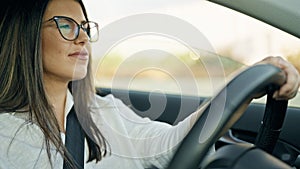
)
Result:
{"points": [[45, 70]]}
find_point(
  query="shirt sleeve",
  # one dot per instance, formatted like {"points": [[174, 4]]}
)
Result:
{"points": [[139, 140], [155, 141]]}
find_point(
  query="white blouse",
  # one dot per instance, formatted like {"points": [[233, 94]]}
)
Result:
{"points": [[135, 142]]}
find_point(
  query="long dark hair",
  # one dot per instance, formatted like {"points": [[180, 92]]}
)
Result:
{"points": [[21, 72]]}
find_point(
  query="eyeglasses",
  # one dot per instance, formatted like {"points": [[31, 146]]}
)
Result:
{"points": [[69, 29]]}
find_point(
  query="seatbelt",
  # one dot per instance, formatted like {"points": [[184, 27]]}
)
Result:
{"points": [[74, 141]]}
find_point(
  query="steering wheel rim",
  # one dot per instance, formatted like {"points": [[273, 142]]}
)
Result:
{"points": [[255, 80]]}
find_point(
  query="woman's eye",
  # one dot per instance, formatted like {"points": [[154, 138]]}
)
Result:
{"points": [[65, 28]]}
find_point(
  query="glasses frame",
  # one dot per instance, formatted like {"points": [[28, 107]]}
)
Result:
{"points": [[78, 26]]}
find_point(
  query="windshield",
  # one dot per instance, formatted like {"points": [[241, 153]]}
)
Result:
{"points": [[180, 47]]}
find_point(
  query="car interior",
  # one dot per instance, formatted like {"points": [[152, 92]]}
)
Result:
{"points": [[264, 134]]}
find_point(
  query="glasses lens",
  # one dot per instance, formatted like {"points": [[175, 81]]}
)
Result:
{"points": [[67, 28], [92, 31]]}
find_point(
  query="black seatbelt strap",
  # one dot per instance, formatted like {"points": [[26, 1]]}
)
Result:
{"points": [[74, 141]]}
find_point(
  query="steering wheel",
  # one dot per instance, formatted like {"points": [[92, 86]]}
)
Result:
{"points": [[223, 110]]}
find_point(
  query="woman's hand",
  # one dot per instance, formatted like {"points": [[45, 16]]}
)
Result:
{"points": [[290, 88]]}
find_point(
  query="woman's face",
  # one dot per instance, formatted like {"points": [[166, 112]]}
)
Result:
{"points": [[63, 60]]}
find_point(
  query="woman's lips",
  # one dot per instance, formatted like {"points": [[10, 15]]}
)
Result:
{"points": [[80, 55]]}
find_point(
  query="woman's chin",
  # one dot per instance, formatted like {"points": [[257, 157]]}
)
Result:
{"points": [[78, 75]]}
